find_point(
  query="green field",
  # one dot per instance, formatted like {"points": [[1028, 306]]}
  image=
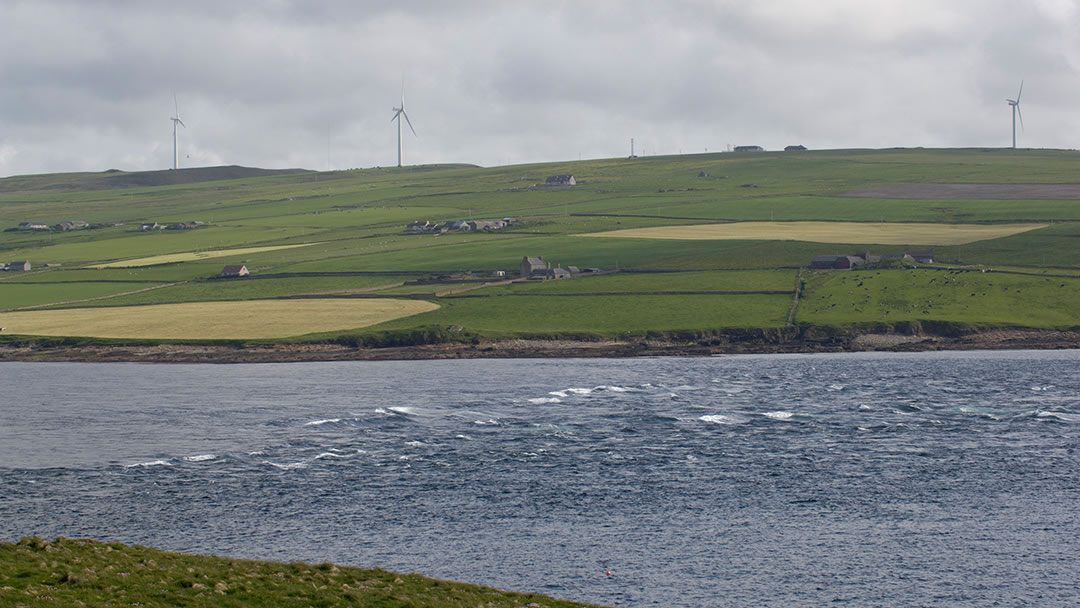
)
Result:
{"points": [[343, 233], [76, 572]]}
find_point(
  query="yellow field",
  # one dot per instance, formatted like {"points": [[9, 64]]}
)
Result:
{"points": [[228, 320], [830, 232], [192, 256]]}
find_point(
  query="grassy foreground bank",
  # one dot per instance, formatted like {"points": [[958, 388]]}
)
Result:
{"points": [[70, 572]]}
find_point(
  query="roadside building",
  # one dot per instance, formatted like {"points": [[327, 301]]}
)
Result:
{"points": [[795, 148], [33, 226], [234, 270], [558, 273], [749, 149], [23, 266]]}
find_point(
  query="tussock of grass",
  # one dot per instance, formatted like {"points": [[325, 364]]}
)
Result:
{"points": [[67, 572]]}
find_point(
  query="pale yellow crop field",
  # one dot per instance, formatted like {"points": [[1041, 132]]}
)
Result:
{"points": [[830, 232], [191, 256], [226, 320]]}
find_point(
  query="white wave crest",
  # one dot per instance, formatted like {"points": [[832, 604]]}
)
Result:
{"points": [[779, 415], [414, 444], [200, 458], [835, 387], [1063, 416], [718, 419], [543, 400], [323, 421], [615, 389], [152, 463], [330, 455], [408, 411], [287, 467], [488, 422]]}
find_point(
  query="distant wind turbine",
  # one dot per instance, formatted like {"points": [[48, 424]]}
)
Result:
{"points": [[1015, 103], [175, 120], [398, 114]]}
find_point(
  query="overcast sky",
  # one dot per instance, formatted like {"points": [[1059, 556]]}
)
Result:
{"points": [[88, 85]]}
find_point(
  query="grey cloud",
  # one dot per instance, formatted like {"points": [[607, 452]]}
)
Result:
{"points": [[88, 86]]}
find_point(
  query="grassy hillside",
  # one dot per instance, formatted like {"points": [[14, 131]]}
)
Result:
{"points": [[69, 572], [352, 228]]}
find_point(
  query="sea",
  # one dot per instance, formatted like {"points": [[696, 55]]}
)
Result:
{"points": [[862, 479]]}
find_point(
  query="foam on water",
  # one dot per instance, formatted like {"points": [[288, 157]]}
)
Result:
{"points": [[721, 419], [323, 421], [544, 400], [151, 463], [287, 467], [401, 409], [329, 455], [199, 458], [1063, 416], [779, 415]]}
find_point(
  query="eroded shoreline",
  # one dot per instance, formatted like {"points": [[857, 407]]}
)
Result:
{"points": [[511, 349]]}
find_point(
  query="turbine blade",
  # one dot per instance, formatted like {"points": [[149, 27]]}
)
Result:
{"points": [[1021, 91], [181, 123], [409, 122], [397, 113], [176, 105], [1021, 116]]}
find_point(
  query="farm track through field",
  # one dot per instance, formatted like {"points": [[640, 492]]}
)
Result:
{"points": [[112, 295]]}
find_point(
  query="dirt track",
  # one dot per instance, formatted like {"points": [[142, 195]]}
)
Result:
{"points": [[1052, 192]]}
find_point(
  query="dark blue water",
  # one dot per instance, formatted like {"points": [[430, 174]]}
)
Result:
{"points": [[947, 479]]}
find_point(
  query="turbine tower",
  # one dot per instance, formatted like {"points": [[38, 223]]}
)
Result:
{"points": [[175, 120], [1015, 103], [398, 114]]}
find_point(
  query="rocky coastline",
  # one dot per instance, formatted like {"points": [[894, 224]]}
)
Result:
{"points": [[1015, 339]]}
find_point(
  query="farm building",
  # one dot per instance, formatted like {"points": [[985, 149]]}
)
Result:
{"points": [[749, 149], [149, 227], [33, 226], [234, 270], [923, 256], [71, 225], [423, 226], [18, 266], [558, 273], [533, 267], [561, 180], [487, 225], [844, 262], [795, 148]]}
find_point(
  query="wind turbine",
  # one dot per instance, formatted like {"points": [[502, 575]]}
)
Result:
{"points": [[398, 113], [1015, 103], [175, 120]]}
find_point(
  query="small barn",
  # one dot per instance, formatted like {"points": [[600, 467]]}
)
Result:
{"points": [[533, 267], [24, 266], [922, 256], [558, 273], [234, 270], [795, 148], [749, 149], [561, 180]]}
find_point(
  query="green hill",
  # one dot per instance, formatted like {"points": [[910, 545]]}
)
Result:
{"points": [[67, 572], [1015, 210]]}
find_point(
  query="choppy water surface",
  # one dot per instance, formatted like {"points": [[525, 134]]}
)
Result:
{"points": [[884, 480]]}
